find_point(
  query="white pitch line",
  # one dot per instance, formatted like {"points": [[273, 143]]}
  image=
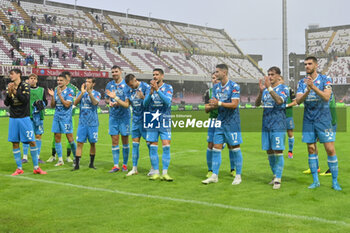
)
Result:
{"points": [[203, 203]]}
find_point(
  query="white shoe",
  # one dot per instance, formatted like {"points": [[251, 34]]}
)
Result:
{"points": [[151, 172], [69, 160], [213, 179], [59, 163], [132, 172], [273, 180], [277, 184], [51, 159], [237, 180]]}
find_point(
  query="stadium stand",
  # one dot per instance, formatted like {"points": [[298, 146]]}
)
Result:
{"points": [[341, 41], [340, 67], [209, 62], [146, 61], [136, 43], [317, 41], [65, 20], [332, 46], [180, 63], [146, 32], [10, 11], [92, 39], [41, 47], [104, 58], [5, 52]]}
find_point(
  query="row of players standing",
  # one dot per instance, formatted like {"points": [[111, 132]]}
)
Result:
{"points": [[314, 90], [156, 97]]}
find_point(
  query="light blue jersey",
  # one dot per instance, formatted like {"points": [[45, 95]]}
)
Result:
{"points": [[317, 121], [121, 90], [230, 129], [317, 124], [62, 112], [138, 107], [274, 119], [62, 120], [160, 101], [274, 116], [316, 109], [229, 118], [88, 112], [159, 107]]}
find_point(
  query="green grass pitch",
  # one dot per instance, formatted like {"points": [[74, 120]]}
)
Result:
{"points": [[97, 201]]}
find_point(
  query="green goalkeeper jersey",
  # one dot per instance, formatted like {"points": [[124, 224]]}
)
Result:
{"points": [[291, 97], [332, 107], [37, 93], [76, 91], [215, 112], [74, 88]]}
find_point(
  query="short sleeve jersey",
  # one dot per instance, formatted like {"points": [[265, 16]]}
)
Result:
{"points": [[158, 104], [121, 90], [88, 112], [274, 115], [62, 112], [138, 107], [228, 117], [316, 109]]}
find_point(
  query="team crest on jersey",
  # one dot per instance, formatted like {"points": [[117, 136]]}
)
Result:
{"points": [[119, 92], [133, 96], [163, 89], [222, 96], [155, 96]]}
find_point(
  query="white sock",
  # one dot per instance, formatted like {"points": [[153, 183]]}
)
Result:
{"points": [[25, 157], [165, 171]]}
